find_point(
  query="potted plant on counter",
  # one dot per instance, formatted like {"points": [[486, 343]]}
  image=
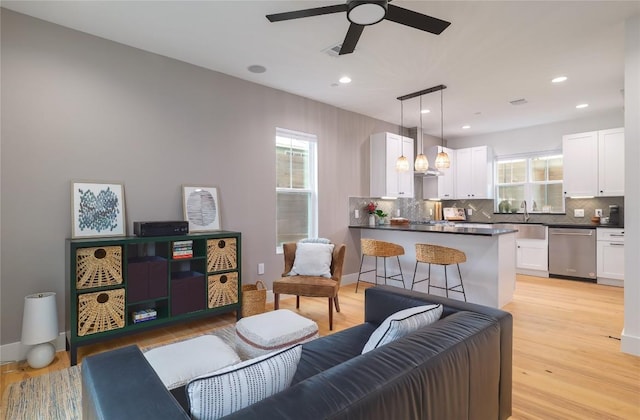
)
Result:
{"points": [[371, 209], [381, 216]]}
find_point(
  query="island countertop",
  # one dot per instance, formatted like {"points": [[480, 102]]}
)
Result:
{"points": [[439, 228]]}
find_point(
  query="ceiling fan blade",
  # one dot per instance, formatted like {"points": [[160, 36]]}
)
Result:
{"points": [[350, 41], [326, 10], [416, 20]]}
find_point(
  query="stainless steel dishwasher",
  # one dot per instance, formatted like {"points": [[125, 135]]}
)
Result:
{"points": [[572, 253]]}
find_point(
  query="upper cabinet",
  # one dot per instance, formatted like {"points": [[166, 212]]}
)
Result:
{"points": [[474, 173], [594, 163], [611, 162], [442, 186], [385, 180]]}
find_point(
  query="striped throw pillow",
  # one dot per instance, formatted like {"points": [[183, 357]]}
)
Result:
{"points": [[232, 388], [402, 323]]}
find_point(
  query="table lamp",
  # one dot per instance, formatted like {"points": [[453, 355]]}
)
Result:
{"points": [[39, 328]]}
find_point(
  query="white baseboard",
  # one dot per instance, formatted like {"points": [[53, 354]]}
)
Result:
{"points": [[14, 352], [630, 344]]}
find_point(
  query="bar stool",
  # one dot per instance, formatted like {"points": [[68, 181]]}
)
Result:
{"points": [[440, 255], [376, 248]]}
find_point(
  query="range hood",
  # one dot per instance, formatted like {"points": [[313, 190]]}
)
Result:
{"points": [[429, 172]]}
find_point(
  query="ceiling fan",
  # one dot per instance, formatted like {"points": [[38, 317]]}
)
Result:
{"points": [[362, 13]]}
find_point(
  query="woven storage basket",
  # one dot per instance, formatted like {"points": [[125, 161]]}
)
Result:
{"points": [[97, 267], [223, 289], [254, 298], [100, 311], [221, 254]]}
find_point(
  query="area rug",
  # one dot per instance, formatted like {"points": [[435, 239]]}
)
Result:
{"points": [[57, 395]]}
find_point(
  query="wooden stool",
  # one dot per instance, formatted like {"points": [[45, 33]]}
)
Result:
{"points": [[375, 248], [440, 255]]}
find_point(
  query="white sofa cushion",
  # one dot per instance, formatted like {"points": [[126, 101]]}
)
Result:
{"points": [[402, 323], [177, 363], [312, 259], [235, 387]]}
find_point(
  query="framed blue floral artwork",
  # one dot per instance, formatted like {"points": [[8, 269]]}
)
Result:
{"points": [[97, 210], [201, 208]]}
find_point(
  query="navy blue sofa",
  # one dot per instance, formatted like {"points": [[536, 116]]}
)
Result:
{"points": [[457, 368]]}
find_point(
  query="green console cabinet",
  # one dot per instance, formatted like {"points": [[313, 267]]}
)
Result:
{"points": [[118, 286]]}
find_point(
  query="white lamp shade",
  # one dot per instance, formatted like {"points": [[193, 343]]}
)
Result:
{"points": [[40, 319]]}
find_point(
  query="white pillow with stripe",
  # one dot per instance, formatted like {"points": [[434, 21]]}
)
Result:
{"points": [[232, 388], [402, 323]]}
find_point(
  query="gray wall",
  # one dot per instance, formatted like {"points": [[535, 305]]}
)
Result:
{"points": [[78, 107]]}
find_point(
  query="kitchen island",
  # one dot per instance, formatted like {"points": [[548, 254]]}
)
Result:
{"points": [[489, 275]]}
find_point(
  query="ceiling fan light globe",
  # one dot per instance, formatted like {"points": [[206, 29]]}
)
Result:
{"points": [[422, 163], [442, 160], [362, 12]]}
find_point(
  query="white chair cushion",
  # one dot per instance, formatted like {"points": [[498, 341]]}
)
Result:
{"points": [[235, 387], [402, 323], [312, 259], [178, 363]]}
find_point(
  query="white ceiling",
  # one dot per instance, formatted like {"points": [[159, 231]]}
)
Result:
{"points": [[493, 52]]}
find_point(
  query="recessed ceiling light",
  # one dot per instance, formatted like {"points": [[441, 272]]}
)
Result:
{"points": [[425, 111], [256, 68], [559, 79], [466, 127], [345, 79], [580, 106]]}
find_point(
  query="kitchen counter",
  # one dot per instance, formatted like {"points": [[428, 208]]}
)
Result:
{"points": [[439, 228], [489, 274]]}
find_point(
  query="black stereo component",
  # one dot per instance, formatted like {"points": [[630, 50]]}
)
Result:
{"points": [[178, 227]]}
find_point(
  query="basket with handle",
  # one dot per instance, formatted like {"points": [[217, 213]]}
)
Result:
{"points": [[254, 298]]}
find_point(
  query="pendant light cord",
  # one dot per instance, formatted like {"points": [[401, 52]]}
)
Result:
{"points": [[441, 121], [421, 138], [400, 130]]}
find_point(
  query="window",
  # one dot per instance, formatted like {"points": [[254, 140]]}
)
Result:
{"points": [[536, 179], [296, 187]]}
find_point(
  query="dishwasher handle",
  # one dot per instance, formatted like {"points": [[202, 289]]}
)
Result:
{"points": [[571, 233]]}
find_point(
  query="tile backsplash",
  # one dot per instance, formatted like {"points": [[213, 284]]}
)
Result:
{"points": [[416, 209]]}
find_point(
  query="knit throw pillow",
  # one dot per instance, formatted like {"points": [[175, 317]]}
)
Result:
{"points": [[235, 387]]}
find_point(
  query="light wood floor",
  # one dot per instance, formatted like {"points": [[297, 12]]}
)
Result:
{"points": [[567, 362]]}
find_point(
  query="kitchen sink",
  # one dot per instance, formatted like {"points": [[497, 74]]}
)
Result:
{"points": [[525, 231]]}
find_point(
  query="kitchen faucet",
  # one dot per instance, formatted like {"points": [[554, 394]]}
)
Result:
{"points": [[526, 213]]}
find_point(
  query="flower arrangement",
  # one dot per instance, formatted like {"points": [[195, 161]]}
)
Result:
{"points": [[371, 207]]}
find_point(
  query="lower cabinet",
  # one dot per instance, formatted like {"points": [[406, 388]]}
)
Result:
{"points": [[610, 257], [118, 286], [532, 257]]}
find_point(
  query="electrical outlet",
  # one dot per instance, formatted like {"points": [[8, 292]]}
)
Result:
{"points": [[398, 213], [356, 213], [261, 268], [598, 212], [469, 211], [578, 213]]}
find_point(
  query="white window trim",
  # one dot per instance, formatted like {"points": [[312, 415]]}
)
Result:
{"points": [[313, 179], [527, 157]]}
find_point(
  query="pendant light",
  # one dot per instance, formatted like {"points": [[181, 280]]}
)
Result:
{"points": [[422, 163], [402, 164], [442, 160]]}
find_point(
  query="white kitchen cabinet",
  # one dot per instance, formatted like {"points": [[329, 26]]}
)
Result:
{"points": [[610, 256], [532, 254], [611, 162], [474, 173], [385, 180], [443, 185], [593, 163]]}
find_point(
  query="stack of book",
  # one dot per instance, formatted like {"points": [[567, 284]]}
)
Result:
{"points": [[144, 315], [182, 249]]}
